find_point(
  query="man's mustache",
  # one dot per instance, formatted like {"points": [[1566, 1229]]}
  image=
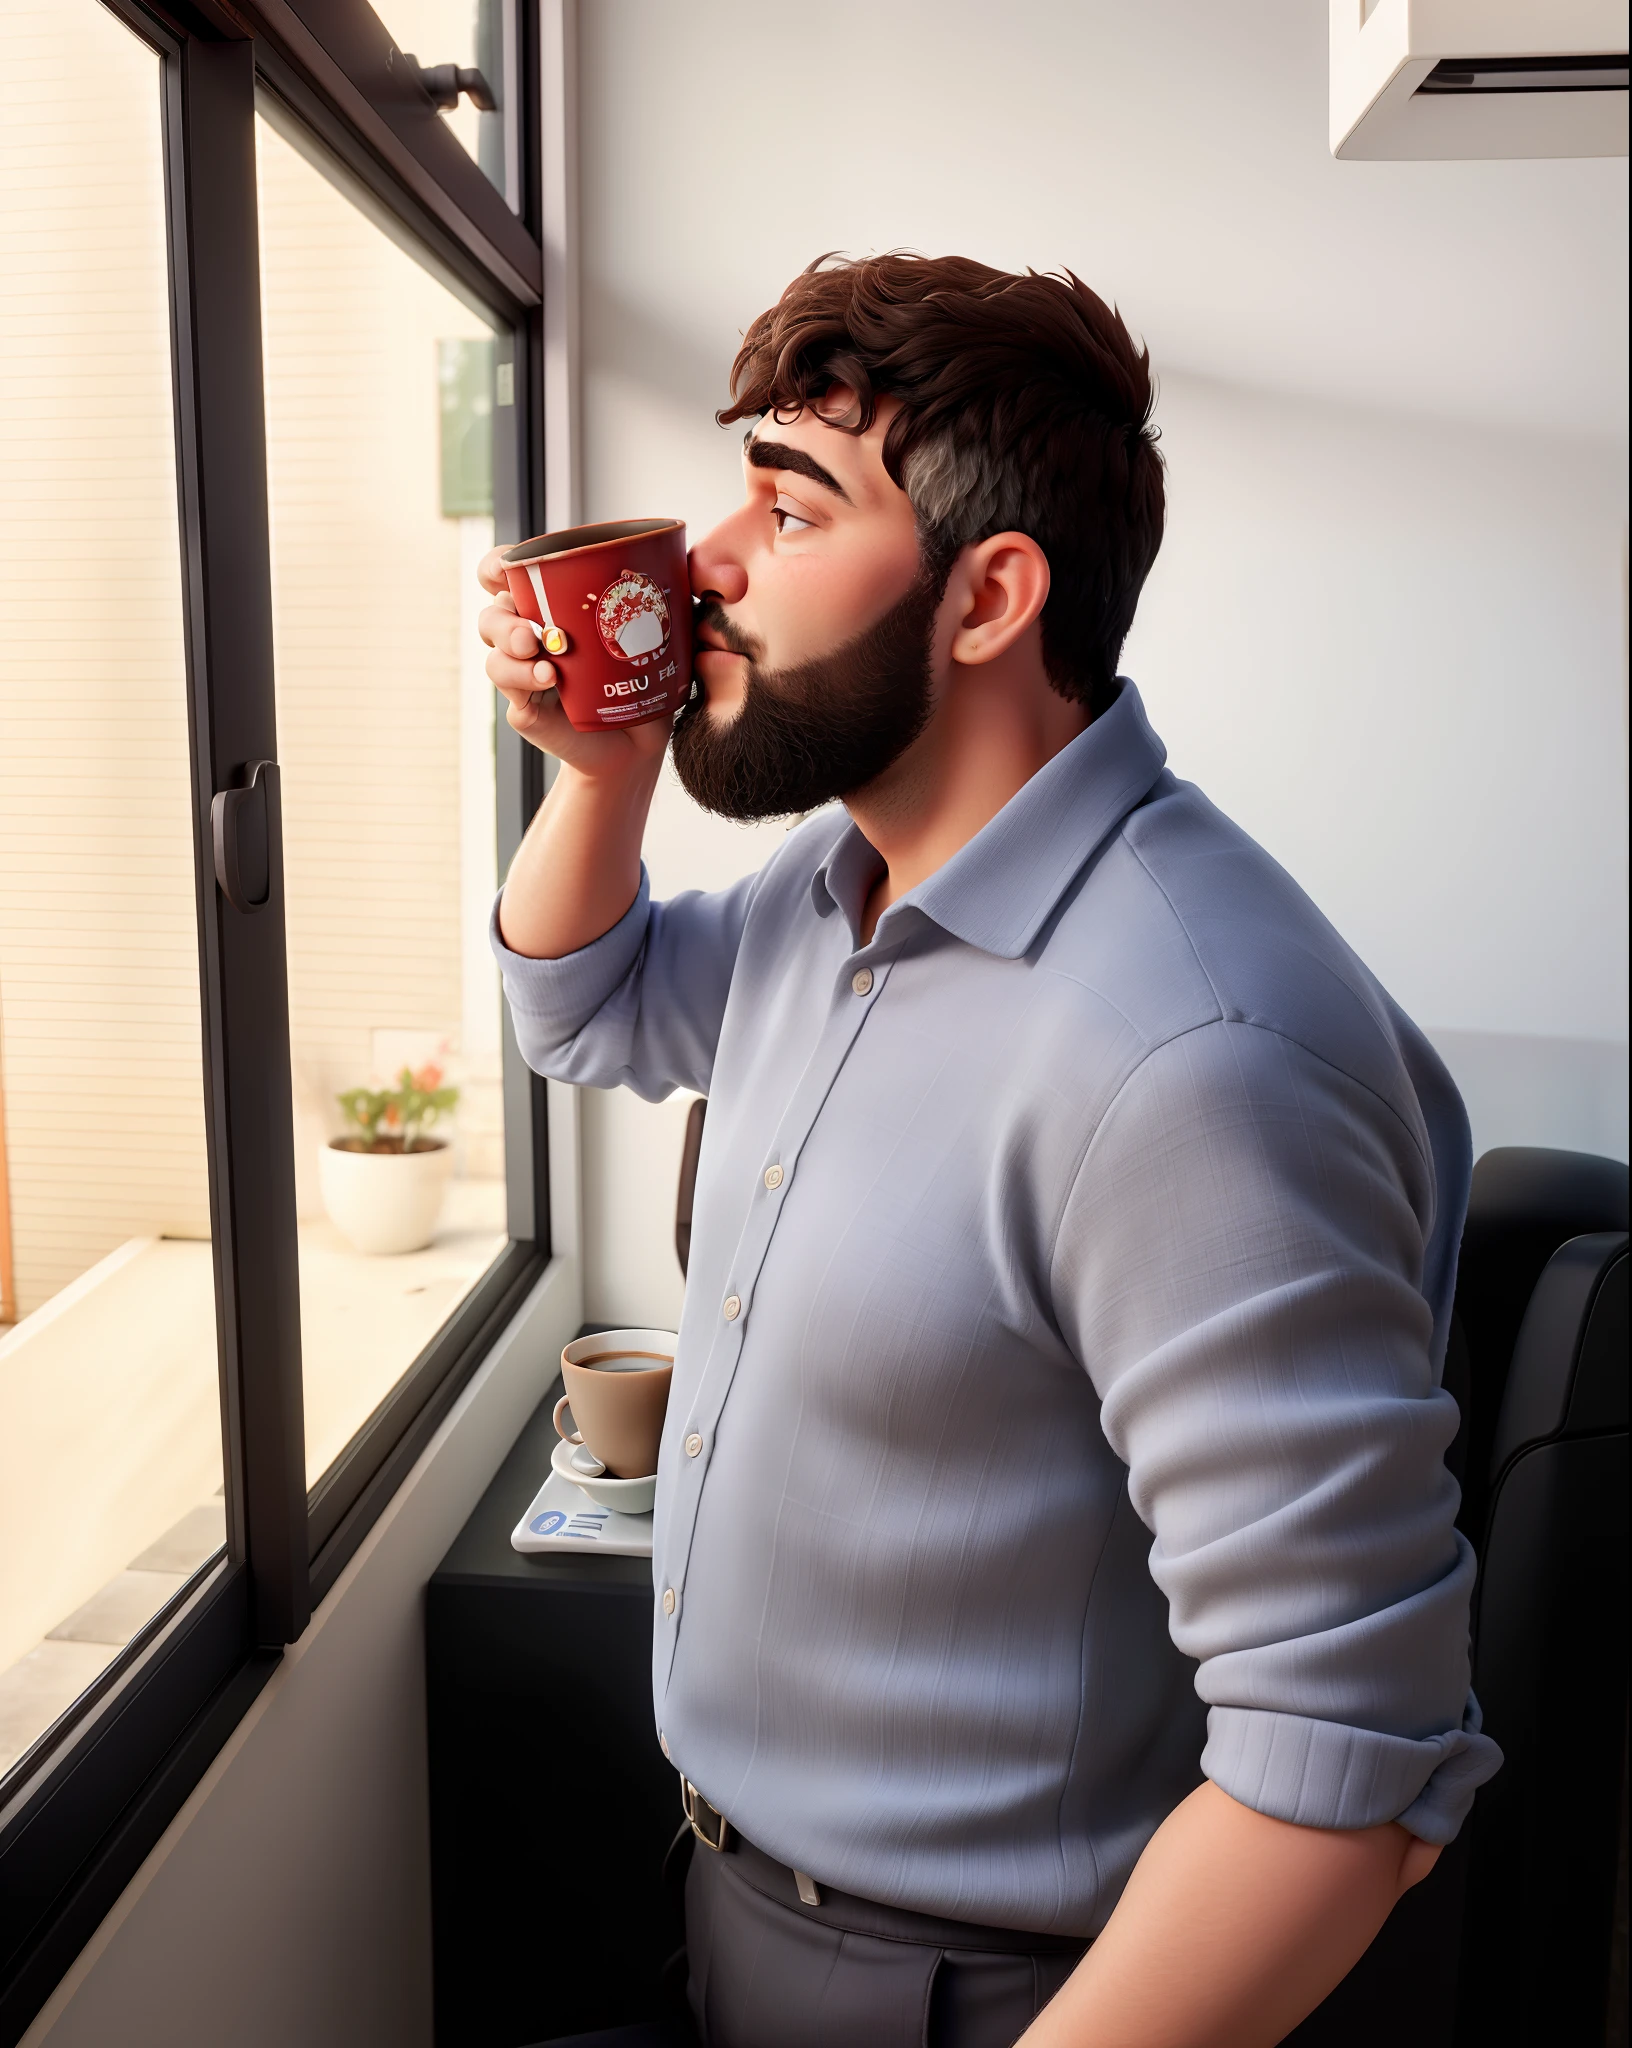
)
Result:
{"points": [[709, 612]]}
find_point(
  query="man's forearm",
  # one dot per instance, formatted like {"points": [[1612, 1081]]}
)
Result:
{"points": [[1232, 1927], [578, 869]]}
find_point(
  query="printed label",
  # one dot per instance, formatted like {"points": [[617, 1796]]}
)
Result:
{"points": [[633, 618]]}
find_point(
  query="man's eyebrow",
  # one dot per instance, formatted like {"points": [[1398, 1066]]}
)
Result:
{"points": [[778, 455]]}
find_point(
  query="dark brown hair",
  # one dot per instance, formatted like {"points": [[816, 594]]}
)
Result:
{"points": [[1025, 406]]}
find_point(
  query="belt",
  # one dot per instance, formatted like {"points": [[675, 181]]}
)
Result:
{"points": [[708, 1824], [713, 1830], [767, 1875]]}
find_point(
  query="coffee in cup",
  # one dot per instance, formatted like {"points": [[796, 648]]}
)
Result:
{"points": [[617, 1392], [612, 605]]}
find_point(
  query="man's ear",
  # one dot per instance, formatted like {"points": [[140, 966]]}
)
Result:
{"points": [[999, 587]]}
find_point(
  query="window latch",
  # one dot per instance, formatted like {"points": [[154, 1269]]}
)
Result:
{"points": [[445, 82], [242, 825]]}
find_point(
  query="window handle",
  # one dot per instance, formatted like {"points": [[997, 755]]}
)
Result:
{"points": [[242, 823], [445, 82]]}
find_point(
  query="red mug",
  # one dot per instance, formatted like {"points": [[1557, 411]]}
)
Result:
{"points": [[612, 605]]}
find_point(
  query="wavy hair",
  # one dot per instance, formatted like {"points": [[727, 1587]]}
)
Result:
{"points": [[1024, 406]]}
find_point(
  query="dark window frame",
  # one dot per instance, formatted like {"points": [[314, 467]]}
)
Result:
{"points": [[82, 1809]]}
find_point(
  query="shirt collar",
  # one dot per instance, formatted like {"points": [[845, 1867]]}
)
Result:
{"points": [[997, 891]]}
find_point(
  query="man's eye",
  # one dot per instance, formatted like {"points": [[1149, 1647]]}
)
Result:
{"points": [[790, 522]]}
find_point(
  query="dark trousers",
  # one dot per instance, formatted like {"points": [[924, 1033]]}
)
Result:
{"points": [[768, 1971]]}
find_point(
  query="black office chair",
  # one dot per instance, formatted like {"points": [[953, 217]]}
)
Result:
{"points": [[1526, 1200], [1550, 1668], [649, 2034], [686, 1194], [1431, 1974]]}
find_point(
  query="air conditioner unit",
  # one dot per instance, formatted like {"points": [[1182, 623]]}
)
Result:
{"points": [[1478, 78]]}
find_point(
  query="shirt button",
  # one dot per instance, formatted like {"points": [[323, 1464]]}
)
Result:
{"points": [[694, 1444], [773, 1176], [662, 1742], [733, 1307], [668, 1599], [862, 981]]}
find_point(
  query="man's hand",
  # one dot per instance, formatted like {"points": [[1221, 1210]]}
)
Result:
{"points": [[1232, 1928], [527, 684], [578, 869]]}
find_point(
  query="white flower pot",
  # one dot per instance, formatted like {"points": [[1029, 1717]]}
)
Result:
{"points": [[386, 1201]]}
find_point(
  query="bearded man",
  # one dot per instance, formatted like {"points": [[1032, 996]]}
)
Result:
{"points": [[1060, 1626]]}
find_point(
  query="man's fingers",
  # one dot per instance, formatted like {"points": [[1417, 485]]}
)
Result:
{"points": [[516, 637], [499, 621], [538, 717], [522, 714], [532, 713], [514, 666], [490, 570], [524, 680], [521, 697], [505, 672]]}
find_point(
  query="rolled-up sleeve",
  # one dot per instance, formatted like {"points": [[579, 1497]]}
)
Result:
{"points": [[1239, 1266], [641, 1008]]}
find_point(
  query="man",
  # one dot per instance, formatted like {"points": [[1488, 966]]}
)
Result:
{"points": [[1058, 1603]]}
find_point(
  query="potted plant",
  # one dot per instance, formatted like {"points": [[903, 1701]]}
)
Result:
{"points": [[384, 1178]]}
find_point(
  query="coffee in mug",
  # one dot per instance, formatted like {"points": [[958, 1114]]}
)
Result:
{"points": [[612, 605], [617, 1392]]}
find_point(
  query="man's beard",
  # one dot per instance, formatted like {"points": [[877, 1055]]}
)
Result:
{"points": [[822, 729]]}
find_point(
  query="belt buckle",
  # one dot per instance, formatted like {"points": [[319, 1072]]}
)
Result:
{"points": [[699, 1812]]}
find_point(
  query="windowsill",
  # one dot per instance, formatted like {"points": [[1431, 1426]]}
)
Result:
{"points": [[110, 1404], [363, 1321]]}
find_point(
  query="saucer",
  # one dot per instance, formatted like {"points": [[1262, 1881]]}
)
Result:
{"points": [[622, 1496]]}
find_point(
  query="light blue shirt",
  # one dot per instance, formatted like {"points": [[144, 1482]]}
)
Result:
{"points": [[1057, 1412]]}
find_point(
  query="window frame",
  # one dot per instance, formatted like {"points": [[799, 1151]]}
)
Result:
{"points": [[80, 1811]]}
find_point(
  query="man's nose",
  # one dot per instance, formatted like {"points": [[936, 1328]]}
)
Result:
{"points": [[716, 568]]}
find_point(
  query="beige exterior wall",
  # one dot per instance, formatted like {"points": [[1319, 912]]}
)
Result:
{"points": [[384, 751], [99, 1008], [369, 629]]}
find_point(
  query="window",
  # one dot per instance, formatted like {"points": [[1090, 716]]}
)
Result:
{"points": [[110, 1423], [269, 343], [477, 35], [381, 389]]}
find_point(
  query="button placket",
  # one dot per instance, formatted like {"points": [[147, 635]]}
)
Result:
{"points": [[810, 1096]]}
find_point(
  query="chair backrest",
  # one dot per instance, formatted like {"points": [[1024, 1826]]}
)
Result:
{"points": [[1550, 1664], [1525, 1202], [686, 1193]]}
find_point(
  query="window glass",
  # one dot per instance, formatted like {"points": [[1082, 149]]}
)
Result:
{"points": [[110, 1432], [474, 35], [383, 387]]}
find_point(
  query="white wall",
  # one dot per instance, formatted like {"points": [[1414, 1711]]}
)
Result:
{"points": [[1392, 645], [1173, 152], [1394, 651]]}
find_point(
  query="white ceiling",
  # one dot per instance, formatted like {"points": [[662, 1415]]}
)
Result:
{"points": [[1172, 152]]}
